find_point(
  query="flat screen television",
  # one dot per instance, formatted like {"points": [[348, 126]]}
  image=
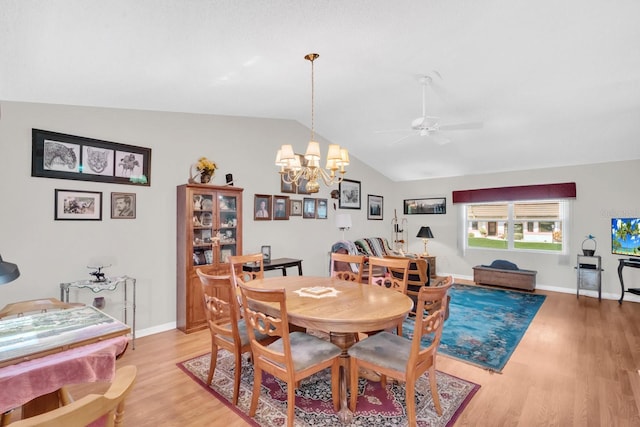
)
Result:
{"points": [[625, 236]]}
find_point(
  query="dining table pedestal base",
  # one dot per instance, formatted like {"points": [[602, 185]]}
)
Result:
{"points": [[344, 341]]}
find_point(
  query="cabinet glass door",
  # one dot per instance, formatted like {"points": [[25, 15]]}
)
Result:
{"points": [[203, 228], [228, 219]]}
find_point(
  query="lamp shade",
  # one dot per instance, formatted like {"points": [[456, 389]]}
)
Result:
{"points": [[343, 221], [425, 233], [8, 272]]}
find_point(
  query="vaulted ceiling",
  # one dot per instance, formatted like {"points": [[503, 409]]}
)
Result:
{"points": [[553, 82]]}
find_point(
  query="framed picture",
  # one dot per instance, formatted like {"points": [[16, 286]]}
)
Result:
{"points": [[349, 194], [309, 208], [287, 187], [225, 254], [123, 205], [78, 205], [266, 254], [280, 207], [374, 207], [296, 208], [321, 208], [262, 207], [57, 155], [437, 205]]}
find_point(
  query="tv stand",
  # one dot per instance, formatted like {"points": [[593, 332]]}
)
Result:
{"points": [[627, 262]]}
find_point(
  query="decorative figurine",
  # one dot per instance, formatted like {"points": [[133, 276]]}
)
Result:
{"points": [[98, 274]]}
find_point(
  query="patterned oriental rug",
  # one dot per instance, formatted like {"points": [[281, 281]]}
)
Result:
{"points": [[313, 398], [485, 325]]}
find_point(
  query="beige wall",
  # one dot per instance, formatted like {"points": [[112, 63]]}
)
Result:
{"points": [[49, 252]]}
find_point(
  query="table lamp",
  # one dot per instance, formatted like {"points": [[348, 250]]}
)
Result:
{"points": [[8, 272], [343, 222], [425, 234]]}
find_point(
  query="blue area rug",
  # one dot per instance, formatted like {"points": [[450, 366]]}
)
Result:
{"points": [[485, 325]]}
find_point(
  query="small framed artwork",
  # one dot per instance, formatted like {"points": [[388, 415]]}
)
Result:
{"points": [[287, 187], [349, 194], [280, 207], [435, 205], [262, 207], [374, 207], [302, 186], [123, 205], [58, 155], [295, 208], [309, 208], [266, 254], [321, 208], [78, 205]]}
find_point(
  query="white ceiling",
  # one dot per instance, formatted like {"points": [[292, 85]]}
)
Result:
{"points": [[555, 82]]}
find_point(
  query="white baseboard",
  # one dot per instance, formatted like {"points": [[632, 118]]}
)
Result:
{"points": [[563, 290], [155, 329]]}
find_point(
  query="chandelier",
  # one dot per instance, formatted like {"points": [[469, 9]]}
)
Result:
{"points": [[297, 170]]}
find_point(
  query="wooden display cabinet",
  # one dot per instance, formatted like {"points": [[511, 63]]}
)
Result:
{"points": [[209, 230]]}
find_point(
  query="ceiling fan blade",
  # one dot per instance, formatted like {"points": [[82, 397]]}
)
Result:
{"points": [[439, 139], [392, 130], [403, 138], [462, 126]]}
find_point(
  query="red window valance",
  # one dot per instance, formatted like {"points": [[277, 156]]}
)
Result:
{"points": [[523, 192]]}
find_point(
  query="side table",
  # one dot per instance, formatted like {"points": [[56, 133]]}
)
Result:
{"points": [[109, 284]]}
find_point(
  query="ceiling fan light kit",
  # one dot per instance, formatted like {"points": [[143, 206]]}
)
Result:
{"points": [[293, 171]]}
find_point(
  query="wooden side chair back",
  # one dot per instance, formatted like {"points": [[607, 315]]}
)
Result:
{"points": [[35, 305], [395, 273], [90, 408], [343, 266], [226, 328], [293, 356], [418, 276], [406, 360], [237, 261]]}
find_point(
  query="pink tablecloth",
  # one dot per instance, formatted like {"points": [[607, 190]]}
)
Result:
{"points": [[25, 381]]}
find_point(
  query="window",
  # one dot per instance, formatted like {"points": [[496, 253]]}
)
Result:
{"points": [[516, 225]]}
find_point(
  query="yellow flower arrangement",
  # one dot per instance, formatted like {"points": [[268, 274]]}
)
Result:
{"points": [[206, 166]]}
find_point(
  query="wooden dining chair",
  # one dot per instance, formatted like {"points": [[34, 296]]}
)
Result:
{"points": [[401, 358], [390, 273], [418, 276], [237, 261], [293, 356], [227, 329], [90, 408], [347, 267]]}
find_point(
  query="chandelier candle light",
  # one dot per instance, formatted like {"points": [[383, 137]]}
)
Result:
{"points": [[293, 171]]}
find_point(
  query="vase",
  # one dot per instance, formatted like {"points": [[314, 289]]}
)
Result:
{"points": [[205, 177]]}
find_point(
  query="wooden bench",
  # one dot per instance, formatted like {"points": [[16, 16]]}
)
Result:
{"points": [[507, 278]]}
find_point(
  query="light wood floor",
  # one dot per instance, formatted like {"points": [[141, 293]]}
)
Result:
{"points": [[577, 365]]}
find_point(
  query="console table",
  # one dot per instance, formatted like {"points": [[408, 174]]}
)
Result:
{"points": [[108, 284], [276, 264], [627, 262]]}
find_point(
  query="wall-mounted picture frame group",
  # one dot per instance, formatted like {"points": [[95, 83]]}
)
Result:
{"points": [[262, 207], [77, 205], [123, 205], [432, 205], [280, 207], [58, 155], [350, 195], [374, 207]]}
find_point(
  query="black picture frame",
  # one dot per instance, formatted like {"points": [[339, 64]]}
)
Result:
{"points": [[58, 155], [426, 206], [77, 205], [375, 207], [350, 194]]}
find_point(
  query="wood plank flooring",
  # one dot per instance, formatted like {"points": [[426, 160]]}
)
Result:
{"points": [[577, 365]]}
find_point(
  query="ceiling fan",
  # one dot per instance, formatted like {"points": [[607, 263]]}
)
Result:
{"points": [[431, 125]]}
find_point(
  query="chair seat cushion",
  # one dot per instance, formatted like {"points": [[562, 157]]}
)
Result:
{"points": [[307, 350], [244, 335], [383, 349]]}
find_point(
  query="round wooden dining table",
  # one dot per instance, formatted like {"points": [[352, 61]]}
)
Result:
{"points": [[341, 308]]}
